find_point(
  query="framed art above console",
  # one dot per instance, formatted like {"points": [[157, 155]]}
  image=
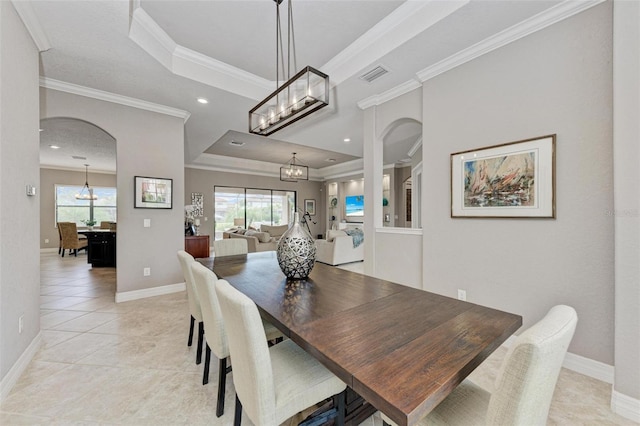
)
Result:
{"points": [[514, 180]]}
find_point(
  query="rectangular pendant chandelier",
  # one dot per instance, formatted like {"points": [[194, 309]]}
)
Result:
{"points": [[304, 93], [294, 171]]}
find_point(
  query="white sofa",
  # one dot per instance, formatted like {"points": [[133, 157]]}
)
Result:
{"points": [[264, 240], [338, 249]]}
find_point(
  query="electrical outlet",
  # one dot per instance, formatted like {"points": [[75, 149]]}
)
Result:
{"points": [[462, 294], [146, 272], [46, 241], [20, 324]]}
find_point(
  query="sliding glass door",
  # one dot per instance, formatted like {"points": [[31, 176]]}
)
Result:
{"points": [[251, 207]]}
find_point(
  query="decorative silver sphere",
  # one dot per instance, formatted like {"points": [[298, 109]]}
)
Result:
{"points": [[296, 251]]}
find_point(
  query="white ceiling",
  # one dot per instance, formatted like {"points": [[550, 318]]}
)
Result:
{"points": [[171, 52]]}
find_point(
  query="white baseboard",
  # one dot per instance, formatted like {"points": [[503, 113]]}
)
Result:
{"points": [[595, 369], [149, 292], [625, 406], [589, 367], [19, 367]]}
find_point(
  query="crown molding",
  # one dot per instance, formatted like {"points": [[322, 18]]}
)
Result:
{"points": [[145, 32], [179, 60], [348, 168], [62, 86], [404, 23], [415, 147], [221, 163], [31, 21], [538, 22], [191, 64], [401, 25], [390, 94], [76, 169], [529, 26]]}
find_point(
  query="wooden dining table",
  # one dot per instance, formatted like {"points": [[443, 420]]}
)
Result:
{"points": [[403, 350]]}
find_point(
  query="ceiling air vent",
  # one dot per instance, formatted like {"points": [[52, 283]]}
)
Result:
{"points": [[77, 157], [374, 73], [236, 143]]}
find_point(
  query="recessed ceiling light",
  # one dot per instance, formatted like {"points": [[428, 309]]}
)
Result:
{"points": [[331, 160], [54, 147], [203, 100], [347, 140], [41, 130], [236, 143]]}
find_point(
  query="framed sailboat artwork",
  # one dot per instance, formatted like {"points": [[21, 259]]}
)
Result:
{"points": [[511, 180]]}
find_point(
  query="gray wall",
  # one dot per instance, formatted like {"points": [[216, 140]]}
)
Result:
{"points": [[203, 181], [19, 158], [558, 80], [48, 179], [148, 144]]}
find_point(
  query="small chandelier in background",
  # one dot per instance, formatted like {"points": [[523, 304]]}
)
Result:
{"points": [[302, 94], [89, 194], [294, 171]]}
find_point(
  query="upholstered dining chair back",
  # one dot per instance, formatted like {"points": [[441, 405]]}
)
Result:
{"points": [[524, 387], [69, 234], [60, 236], [185, 263], [252, 371], [230, 247], [204, 282], [194, 305]]}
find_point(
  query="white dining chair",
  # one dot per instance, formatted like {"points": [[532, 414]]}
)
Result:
{"points": [[194, 305], [525, 384], [230, 247], [215, 335], [272, 384]]}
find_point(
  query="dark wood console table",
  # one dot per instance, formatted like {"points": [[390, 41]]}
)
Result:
{"points": [[197, 245], [101, 247]]}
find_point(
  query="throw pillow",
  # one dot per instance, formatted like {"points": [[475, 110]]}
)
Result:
{"points": [[263, 237], [275, 231], [241, 231]]}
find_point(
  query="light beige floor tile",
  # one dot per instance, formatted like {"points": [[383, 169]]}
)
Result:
{"points": [[64, 302], [93, 304], [51, 338], [76, 348], [36, 372], [55, 318], [86, 322], [22, 419]]}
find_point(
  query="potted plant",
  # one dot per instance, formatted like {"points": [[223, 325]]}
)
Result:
{"points": [[89, 223]]}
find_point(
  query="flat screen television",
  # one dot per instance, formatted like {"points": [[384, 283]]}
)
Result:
{"points": [[354, 205]]}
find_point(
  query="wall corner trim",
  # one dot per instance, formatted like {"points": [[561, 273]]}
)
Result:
{"points": [[149, 292], [19, 367], [625, 406], [62, 86]]}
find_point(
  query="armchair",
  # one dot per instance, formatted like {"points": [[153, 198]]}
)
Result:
{"points": [[338, 249]]}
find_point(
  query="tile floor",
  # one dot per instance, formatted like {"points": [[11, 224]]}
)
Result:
{"points": [[128, 363]]}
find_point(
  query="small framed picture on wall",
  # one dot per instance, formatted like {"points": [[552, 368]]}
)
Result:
{"points": [[310, 207]]}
